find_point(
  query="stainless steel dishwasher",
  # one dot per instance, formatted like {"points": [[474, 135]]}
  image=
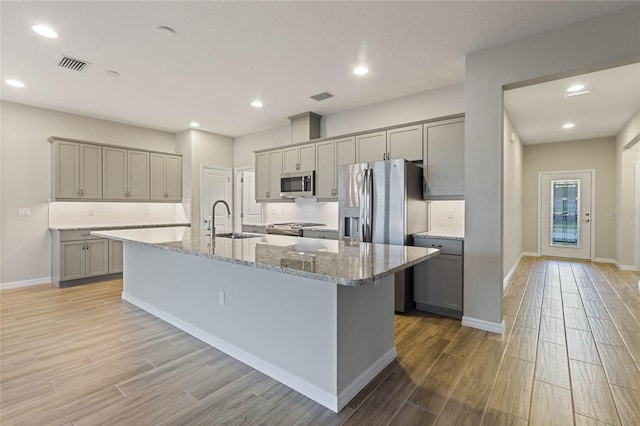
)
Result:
{"points": [[438, 282]]}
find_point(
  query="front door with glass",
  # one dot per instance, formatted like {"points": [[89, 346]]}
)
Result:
{"points": [[565, 214]]}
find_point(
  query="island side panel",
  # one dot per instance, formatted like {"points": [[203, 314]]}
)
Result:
{"points": [[365, 334], [282, 325]]}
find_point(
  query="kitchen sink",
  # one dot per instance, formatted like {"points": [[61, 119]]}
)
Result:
{"points": [[237, 235]]}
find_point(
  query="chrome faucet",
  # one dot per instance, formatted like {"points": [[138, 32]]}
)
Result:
{"points": [[213, 219]]}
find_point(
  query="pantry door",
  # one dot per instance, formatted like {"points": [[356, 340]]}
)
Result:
{"points": [[215, 184], [566, 220]]}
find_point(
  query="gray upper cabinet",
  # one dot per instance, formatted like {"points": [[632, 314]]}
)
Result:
{"points": [[329, 156], [443, 161], [405, 142], [137, 175], [90, 171], [345, 152], [438, 144], [326, 170], [76, 170], [299, 158], [371, 147], [165, 176], [126, 174], [268, 170]]}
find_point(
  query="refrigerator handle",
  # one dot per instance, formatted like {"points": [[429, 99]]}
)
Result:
{"points": [[363, 206], [368, 176]]}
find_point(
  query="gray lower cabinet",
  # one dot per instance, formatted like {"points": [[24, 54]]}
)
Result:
{"points": [[319, 233], [115, 256], [438, 282], [77, 255]]}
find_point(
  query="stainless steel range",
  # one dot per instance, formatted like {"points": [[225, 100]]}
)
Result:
{"points": [[291, 228]]}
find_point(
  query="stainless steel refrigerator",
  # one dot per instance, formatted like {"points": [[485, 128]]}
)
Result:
{"points": [[381, 202]]}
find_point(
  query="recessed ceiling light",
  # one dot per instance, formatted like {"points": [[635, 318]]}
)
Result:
{"points": [[568, 125], [361, 70], [45, 31], [14, 83], [256, 104], [194, 124], [575, 88]]}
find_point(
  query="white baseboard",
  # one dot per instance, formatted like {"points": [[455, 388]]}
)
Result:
{"points": [[364, 378], [334, 403], [494, 327], [603, 260], [530, 253], [507, 279], [626, 267], [25, 283]]}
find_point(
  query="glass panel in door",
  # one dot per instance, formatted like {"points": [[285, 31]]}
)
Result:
{"points": [[565, 213]]}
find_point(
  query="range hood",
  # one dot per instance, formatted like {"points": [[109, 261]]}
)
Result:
{"points": [[305, 126]]}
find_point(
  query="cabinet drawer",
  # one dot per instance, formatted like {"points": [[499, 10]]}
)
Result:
{"points": [[445, 246], [84, 234], [329, 235]]}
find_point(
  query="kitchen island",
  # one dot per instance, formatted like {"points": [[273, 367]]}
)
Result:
{"points": [[316, 315]]}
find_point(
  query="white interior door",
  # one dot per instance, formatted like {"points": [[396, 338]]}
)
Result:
{"points": [[251, 211], [566, 221], [215, 184]]}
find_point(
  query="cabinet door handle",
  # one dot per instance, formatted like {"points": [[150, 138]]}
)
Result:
{"points": [[384, 155], [436, 246]]}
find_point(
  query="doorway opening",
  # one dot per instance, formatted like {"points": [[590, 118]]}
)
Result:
{"points": [[247, 211], [566, 227], [215, 184]]}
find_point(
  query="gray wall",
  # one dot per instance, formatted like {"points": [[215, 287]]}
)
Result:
{"points": [[26, 178], [625, 214], [512, 200], [594, 44], [430, 104], [598, 154]]}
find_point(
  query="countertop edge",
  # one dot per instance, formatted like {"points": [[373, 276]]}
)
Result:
{"points": [[442, 236], [116, 227]]}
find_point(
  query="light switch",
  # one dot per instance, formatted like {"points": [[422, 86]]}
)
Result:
{"points": [[24, 212]]}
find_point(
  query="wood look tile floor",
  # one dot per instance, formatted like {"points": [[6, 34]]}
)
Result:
{"points": [[570, 355]]}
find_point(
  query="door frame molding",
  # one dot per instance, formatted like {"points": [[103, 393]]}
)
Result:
{"points": [[237, 195], [637, 213], [210, 166], [593, 206]]}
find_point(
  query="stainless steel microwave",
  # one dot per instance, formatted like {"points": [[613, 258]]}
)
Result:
{"points": [[298, 184]]}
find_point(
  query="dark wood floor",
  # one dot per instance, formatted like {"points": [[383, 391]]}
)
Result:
{"points": [[571, 355]]}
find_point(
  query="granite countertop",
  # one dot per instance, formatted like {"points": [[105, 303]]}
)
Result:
{"points": [[445, 235], [108, 227], [349, 263]]}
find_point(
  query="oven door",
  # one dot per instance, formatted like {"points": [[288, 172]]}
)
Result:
{"points": [[297, 184]]}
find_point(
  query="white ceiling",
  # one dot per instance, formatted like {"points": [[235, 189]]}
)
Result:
{"points": [[539, 111], [225, 54]]}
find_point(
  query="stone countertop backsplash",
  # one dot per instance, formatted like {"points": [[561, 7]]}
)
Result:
{"points": [[443, 234], [349, 263], [109, 227]]}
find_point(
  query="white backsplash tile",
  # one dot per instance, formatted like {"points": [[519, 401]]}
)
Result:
{"points": [[69, 214], [303, 210], [446, 216]]}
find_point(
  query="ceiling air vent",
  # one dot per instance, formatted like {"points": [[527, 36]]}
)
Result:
{"points": [[72, 64], [322, 96]]}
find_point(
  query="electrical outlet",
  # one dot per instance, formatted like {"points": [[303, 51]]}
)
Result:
{"points": [[24, 212], [221, 298], [146, 211], [449, 214], [92, 212]]}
